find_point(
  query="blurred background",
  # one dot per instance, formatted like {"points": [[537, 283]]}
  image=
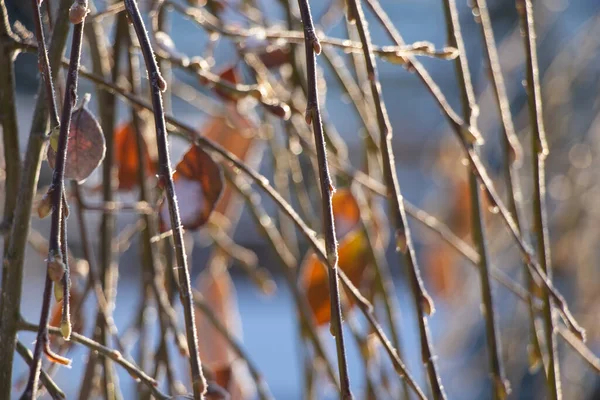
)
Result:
{"points": [[431, 174]]}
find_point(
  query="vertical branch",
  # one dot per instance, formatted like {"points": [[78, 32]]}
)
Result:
{"points": [[384, 281], [12, 273], [539, 149], [8, 116], [165, 174], [56, 262], [470, 113], [313, 115], [423, 303], [512, 150], [100, 57]]}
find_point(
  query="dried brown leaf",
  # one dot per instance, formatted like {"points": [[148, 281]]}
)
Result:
{"points": [[86, 146]]}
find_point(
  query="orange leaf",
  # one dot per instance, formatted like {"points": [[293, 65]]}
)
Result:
{"points": [[126, 157], [441, 270], [198, 184], [230, 373], [353, 260], [218, 291], [230, 75], [236, 134], [345, 212]]}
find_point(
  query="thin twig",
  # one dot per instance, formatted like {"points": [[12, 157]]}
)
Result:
{"points": [[539, 150], [165, 172], [12, 270], [385, 283], [55, 256], [462, 131], [104, 351], [44, 64], [404, 244], [511, 146], [392, 53], [53, 390], [313, 115], [93, 279], [8, 116], [420, 215], [500, 385], [100, 55], [423, 217]]}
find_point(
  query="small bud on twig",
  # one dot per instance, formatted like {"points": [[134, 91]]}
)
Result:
{"points": [[45, 206], [56, 267], [78, 11], [59, 291], [65, 329]]}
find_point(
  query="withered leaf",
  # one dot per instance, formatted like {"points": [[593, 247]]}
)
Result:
{"points": [[86, 146], [198, 185]]}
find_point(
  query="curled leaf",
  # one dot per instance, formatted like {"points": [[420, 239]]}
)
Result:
{"points": [[198, 185], [86, 146]]}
